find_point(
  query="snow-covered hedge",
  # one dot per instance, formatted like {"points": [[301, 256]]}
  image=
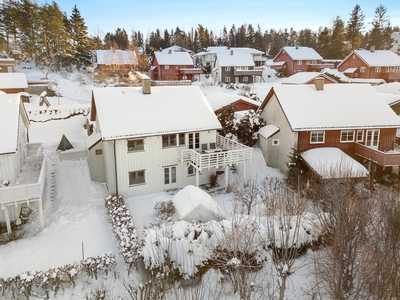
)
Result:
{"points": [[43, 113], [43, 282], [124, 229]]}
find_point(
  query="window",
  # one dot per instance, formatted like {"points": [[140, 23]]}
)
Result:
{"points": [[135, 145], [311, 62], [194, 140], [354, 57], [169, 140], [347, 136], [360, 135], [372, 138], [166, 67], [377, 69], [184, 77], [227, 79], [176, 67], [245, 79], [99, 152], [169, 175], [317, 137], [227, 69], [275, 142], [362, 70], [190, 170], [181, 139], [137, 177], [299, 62]]}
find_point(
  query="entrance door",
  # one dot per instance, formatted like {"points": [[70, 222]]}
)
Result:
{"points": [[170, 178], [372, 139]]}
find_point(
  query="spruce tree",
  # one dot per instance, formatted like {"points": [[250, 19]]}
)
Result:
{"points": [[380, 34], [80, 42], [28, 16], [354, 27]]}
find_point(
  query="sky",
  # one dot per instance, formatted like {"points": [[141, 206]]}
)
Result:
{"points": [[102, 16]]}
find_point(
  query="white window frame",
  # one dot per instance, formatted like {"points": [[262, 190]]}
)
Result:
{"points": [[362, 135], [184, 77], [135, 147], [377, 69], [275, 142], [318, 132], [194, 140], [166, 67], [363, 69], [170, 175], [375, 133], [169, 138], [227, 69], [245, 79], [344, 136], [98, 152], [299, 62], [227, 79], [136, 175]]}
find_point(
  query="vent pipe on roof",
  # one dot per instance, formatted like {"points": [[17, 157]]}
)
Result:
{"points": [[146, 84], [231, 52], [319, 83], [169, 51], [372, 49], [297, 46]]}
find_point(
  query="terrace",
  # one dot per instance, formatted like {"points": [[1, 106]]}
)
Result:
{"points": [[385, 159]]}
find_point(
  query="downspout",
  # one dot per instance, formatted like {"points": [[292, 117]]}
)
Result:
{"points": [[115, 170]]}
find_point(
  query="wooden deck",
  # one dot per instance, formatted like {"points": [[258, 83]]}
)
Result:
{"points": [[385, 159]]}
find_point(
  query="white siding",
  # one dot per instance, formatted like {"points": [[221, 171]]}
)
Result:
{"points": [[96, 163], [273, 114], [108, 156]]}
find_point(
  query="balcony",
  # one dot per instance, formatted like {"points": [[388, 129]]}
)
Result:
{"points": [[190, 71], [240, 72], [228, 152], [320, 66], [385, 159]]}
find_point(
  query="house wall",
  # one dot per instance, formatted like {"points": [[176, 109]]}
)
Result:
{"points": [[96, 163], [233, 79], [171, 73], [354, 61], [240, 105], [326, 81], [270, 151], [292, 66], [273, 114], [153, 160]]}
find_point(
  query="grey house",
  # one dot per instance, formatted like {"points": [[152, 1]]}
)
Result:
{"points": [[235, 68]]}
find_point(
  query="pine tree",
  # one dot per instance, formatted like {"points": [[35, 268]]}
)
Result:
{"points": [[9, 23], [80, 42], [354, 27], [29, 27], [380, 34], [258, 39], [324, 41], [336, 49], [232, 36]]}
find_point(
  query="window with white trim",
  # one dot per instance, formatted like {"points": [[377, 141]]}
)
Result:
{"points": [[137, 177], [377, 69], [99, 151], [194, 140], [347, 136], [360, 135], [176, 67], [227, 79], [135, 145], [299, 62], [275, 142], [227, 69], [317, 137], [184, 77], [166, 67], [181, 139], [169, 175], [191, 170], [245, 79], [362, 70], [168, 140]]}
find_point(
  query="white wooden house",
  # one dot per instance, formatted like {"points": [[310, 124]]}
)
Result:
{"points": [[158, 138], [16, 191]]}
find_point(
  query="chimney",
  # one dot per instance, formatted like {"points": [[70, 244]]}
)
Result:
{"points": [[372, 49], [297, 46], [146, 84], [319, 83], [169, 51], [231, 52]]}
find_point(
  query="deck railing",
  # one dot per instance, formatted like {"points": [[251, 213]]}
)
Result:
{"points": [[385, 159], [228, 152], [24, 192]]}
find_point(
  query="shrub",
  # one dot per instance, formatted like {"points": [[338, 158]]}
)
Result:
{"points": [[248, 127], [165, 209]]}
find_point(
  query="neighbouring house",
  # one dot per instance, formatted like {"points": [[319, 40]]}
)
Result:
{"points": [[110, 62], [396, 42], [391, 93], [173, 66], [234, 67], [210, 54], [12, 83], [220, 100], [351, 117], [307, 78], [7, 65], [16, 54], [291, 60], [22, 174], [159, 138], [378, 64], [177, 49]]}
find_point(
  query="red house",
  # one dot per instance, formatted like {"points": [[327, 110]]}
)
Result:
{"points": [[307, 78], [352, 118], [173, 66], [298, 59], [380, 64], [220, 100]]}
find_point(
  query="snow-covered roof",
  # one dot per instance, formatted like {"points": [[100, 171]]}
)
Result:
{"points": [[7, 62], [235, 60], [304, 78], [329, 162], [13, 81], [378, 58], [93, 140], [200, 54], [278, 63], [350, 70], [268, 130], [110, 57], [371, 81], [337, 106], [126, 112], [389, 88], [219, 100], [9, 121], [174, 58], [15, 52], [222, 49], [302, 53], [176, 49], [193, 203], [390, 99]]}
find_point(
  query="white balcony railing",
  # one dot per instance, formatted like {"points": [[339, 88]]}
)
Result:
{"points": [[228, 152]]}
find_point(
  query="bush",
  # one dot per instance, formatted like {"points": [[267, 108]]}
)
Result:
{"points": [[248, 127], [165, 209], [226, 117]]}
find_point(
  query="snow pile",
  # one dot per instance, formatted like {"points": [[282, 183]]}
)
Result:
{"points": [[42, 113], [124, 229], [32, 283]]}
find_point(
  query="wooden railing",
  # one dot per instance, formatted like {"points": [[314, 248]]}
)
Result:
{"points": [[385, 159], [24, 192], [228, 152], [237, 72]]}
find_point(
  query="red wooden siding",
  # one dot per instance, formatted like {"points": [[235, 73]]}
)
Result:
{"points": [[292, 66], [240, 105], [174, 72], [12, 91]]}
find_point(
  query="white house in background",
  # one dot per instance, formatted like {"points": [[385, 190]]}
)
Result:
{"points": [[396, 42], [108, 62], [210, 54], [194, 204], [158, 138], [19, 183], [177, 49]]}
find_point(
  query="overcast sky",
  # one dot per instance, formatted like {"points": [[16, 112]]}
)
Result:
{"points": [[148, 15]]}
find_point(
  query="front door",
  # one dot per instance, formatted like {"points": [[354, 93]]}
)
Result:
{"points": [[372, 139], [170, 178]]}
